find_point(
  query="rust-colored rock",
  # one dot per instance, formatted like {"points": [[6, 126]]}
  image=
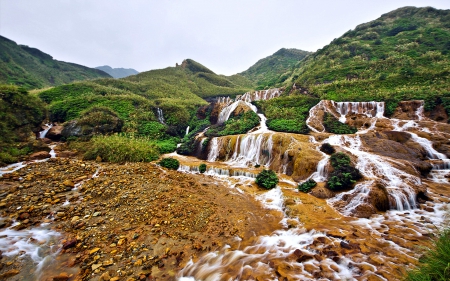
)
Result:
{"points": [[39, 155], [55, 133]]}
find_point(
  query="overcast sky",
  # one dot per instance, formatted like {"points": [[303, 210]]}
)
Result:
{"points": [[227, 36]]}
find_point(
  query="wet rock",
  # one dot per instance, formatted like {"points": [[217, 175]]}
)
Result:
{"points": [[55, 133], [9, 273], [70, 244], [24, 216], [320, 191], [39, 155], [105, 276], [61, 277], [407, 110], [69, 183]]}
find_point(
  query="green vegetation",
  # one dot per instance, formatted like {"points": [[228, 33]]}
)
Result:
{"points": [[30, 68], [202, 168], [435, 266], [288, 113], [275, 69], [20, 116], [239, 124], [307, 185], [333, 125], [403, 55], [121, 148], [344, 175], [327, 148], [267, 179], [169, 163]]}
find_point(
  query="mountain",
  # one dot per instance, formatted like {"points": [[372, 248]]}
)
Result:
{"points": [[403, 55], [118, 72], [274, 69], [31, 68]]}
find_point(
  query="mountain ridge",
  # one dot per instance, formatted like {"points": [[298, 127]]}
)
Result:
{"points": [[117, 72]]}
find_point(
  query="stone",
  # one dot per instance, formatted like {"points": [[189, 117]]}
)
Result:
{"points": [[9, 273], [61, 277], [55, 133], [39, 155], [69, 183], [24, 216], [70, 244], [96, 265], [96, 214], [105, 276], [94, 251]]}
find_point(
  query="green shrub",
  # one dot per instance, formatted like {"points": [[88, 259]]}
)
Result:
{"points": [[307, 185], [169, 163], [344, 175], [121, 148], [267, 179], [339, 159], [435, 265], [332, 125], [6, 158], [327, 148], [239, 124], [202, 168]]}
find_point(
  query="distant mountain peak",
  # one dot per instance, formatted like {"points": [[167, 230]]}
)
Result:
{"points": [[118, 72]]}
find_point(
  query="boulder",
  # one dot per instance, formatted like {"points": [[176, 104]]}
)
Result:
{"points": [[39, 155], [55, 133], [408, 110]]}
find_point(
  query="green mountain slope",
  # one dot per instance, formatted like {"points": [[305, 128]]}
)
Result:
{"points": [[274, 69], [30, 68], [403, 55], [177, 91], [118, 72]]}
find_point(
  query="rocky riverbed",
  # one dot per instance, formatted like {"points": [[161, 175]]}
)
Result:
{"points": [[132, 221]]}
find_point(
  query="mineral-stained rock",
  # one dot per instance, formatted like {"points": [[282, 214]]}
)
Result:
{"points": [[61, 277], [39, 155], [55, 133]]}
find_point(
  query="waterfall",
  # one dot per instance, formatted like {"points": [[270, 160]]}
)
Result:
{"points": [[370, 109], [45, 131], [160, 116], [397, 182], [260, 95], [213, 150], [252, 150], [224, 115], [187, 130]]}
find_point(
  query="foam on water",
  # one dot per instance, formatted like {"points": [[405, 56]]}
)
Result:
{"points": [[272, 199]]}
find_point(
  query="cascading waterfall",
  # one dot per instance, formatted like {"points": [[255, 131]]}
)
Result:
{"points": [[252, 150], [397, 182], [369, 109], [160, 115], [187, 130], [45, 131]]}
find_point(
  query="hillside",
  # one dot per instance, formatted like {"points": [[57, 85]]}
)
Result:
{"points": [[403, 55], [274, 69], [31, 68], [157, 104], [118, 72]]}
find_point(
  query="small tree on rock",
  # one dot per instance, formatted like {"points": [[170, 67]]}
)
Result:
{"points": [[267, 179]]}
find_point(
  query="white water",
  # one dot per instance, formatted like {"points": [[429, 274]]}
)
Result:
{"points": [[187, 130], [45, 131], [397, 182], [252, 150], [370, 109], [160, 115], [39, 244]]}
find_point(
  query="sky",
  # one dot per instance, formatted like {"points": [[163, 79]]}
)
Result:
{"points": [[227, 36]]}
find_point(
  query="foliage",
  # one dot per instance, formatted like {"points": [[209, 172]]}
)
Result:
{"points": [[267, 179], [20, 114], [30, 68], [202, 168], [333, 125], [344, 175], [287, 113], [327, 148], [307, 185], [403, 55], [169, 163], [239, 124], [121, 148], [435, 265], [274, 69]]}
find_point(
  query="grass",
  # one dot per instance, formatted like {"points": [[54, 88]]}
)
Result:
{"points": [[122, 148], [435, 266]]}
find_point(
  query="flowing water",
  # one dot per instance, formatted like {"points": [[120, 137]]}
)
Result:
{"points": [[319, 239]]}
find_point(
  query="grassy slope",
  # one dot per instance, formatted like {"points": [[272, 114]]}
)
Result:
{"points": [[404, 54], [31, 68], [274, 69]]}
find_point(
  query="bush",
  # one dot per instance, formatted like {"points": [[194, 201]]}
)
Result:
{"points": [[120, 148], [332, 125], [436, 263], [267, 179], [202, 168], [169, 163], [339, 159], [327, 148], [307, 185], [344, 175]]}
